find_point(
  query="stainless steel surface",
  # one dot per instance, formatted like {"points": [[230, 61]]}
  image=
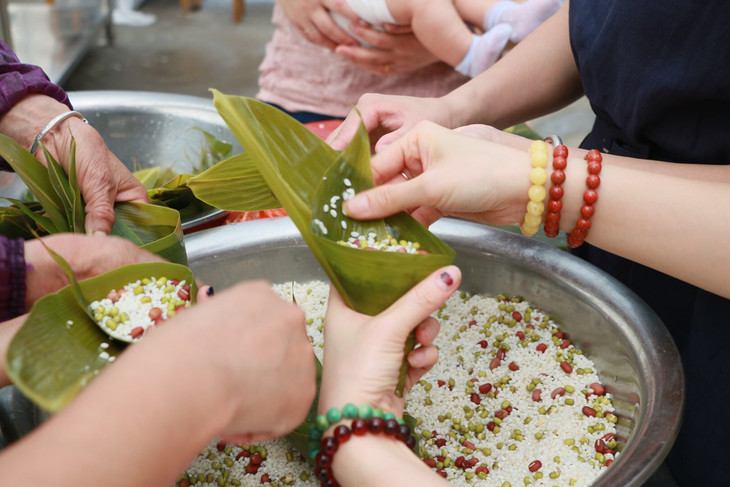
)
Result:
{"points": [[55, 36], [634, 353], [150, 129]]}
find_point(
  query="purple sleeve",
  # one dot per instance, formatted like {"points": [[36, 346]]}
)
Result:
{"points": [[18, 80], [12, 278]]}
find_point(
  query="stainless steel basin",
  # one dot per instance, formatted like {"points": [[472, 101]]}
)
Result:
{"points": [[150, 129], [635, 355]]}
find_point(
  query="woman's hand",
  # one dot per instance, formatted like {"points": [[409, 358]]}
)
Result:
{"points": [[87, 255], [388, 117], [313, 20], [102, 177], [363, 354], [256, 347], [433, 171]]}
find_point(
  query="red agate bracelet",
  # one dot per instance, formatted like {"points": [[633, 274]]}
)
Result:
{"points": [[329, 446], [590, 196], [555, 203]]}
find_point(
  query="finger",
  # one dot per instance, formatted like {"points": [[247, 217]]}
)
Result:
{"points": [[343, 134], [342, 8], [398, 29], [371, 60], [389, 138], [130, 189], [99, 211], [427, 331], [204, 293], [492, 134], [423, 358], [379, 40], [329, 28], [426, 215], [312, 34], [418, 303]]}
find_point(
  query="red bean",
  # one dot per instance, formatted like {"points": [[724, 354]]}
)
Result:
{"points": [[474, 380], [565, 344], [459, 462], [472, 462], [536, 395], [513, 367], [600, 446], [521, 335], [535, 466], [608, 462], [475, 398], [155, 313], [469, 445], [565, 365], [485, 388], [589, 411], [501, 353], [174, 282], [256, 459], [113, 296], [531, 327], [483, 344], [430, 462], [609, 437], [598, 389], [491, 425], [136, 332], [517, 316], [481, 469], [560, 391], [472, 323], [184, 483], [441, 472], [186, 287], [501, 414], [252, 469], [494, 363], [220, 446], [440, 458], [441, 383], [265, 479], [440, 443], [243, 454], [183, 294], [541, 347]]}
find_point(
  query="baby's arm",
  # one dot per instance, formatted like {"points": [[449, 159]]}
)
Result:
{"points": [[437, 26]]}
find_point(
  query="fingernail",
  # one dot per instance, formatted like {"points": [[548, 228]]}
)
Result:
{"points": [[356, 204], [99, 233], [210, 291], [446, 280]]}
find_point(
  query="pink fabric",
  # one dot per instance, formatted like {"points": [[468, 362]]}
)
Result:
{"points": [[301, 76]]}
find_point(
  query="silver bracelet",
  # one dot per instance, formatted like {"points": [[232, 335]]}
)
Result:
{"points": [[49, 126], [554, 139]]}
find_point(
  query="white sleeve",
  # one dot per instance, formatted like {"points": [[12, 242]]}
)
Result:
{"points": [[373, 12]]}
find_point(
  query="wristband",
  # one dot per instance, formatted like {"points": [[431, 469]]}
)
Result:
{"points": [[50, 125]]}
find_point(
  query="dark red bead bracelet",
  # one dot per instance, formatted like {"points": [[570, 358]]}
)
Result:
{"points": [[360, 427], [555, 204], [590, 197]]}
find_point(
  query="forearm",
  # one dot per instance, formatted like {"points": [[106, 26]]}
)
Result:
{"points": [[376, 461], [139, 423], [28, 116], [666, 216], [537, 77]]}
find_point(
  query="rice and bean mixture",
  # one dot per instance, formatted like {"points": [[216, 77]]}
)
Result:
{"points": [[511, 402]]}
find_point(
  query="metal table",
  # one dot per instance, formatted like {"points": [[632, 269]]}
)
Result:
{"points": [[54, 35]]}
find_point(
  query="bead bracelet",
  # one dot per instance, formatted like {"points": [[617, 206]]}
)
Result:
{"points": [[537, 192], [334, 416], [590, 196], [329, 445], [555, 203]]}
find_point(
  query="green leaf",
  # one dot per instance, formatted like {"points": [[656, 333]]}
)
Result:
{"points": [[60, 184], [234, 185], [35, 176], [40, 220], [78, 207], [148, 177], [50, 360], [155, 228]]}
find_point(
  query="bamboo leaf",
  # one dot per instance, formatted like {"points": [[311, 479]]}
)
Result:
{"points": [[79, 213], [59, 349], [148, 177], [155, 228], [35, 176], [40, 220], [60, 184], [234, 185]]}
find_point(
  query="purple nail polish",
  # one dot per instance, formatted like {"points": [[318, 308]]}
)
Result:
{"points": [[446, 278]]}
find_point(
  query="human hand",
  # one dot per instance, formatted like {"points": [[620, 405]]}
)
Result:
{"points": [[476, 172], [388, 117], [87, 255], [363, 354], [256, 347], [312, 19], [102, 177], [391, 52]]}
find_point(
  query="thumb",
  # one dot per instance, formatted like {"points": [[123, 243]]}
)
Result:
{"points": [[387, 139], [343, 134], [423, 299]]}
